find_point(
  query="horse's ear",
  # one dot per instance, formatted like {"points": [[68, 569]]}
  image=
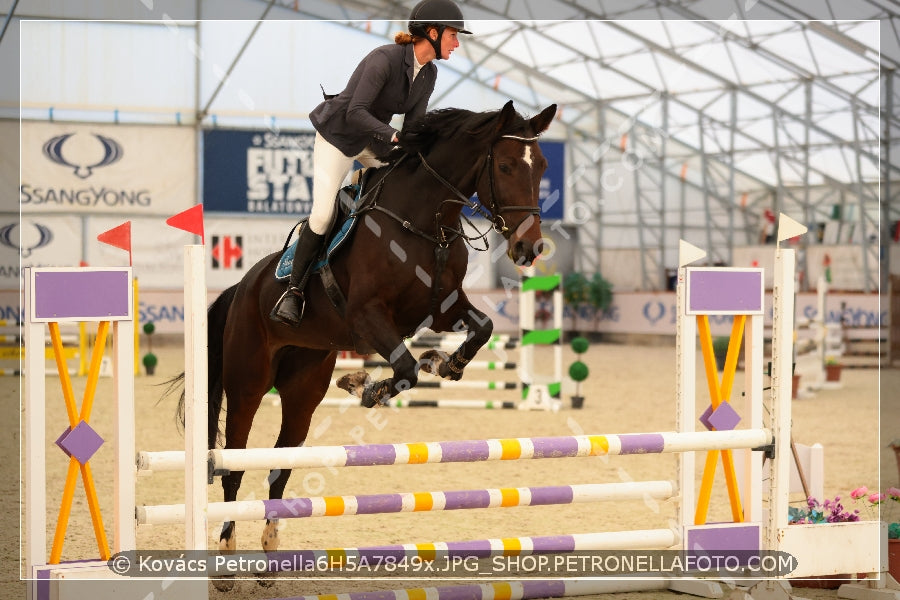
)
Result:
{"points": [[541, 122], [507, 114]]}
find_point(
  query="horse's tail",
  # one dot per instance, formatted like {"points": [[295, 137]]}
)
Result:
{"points": [[215, 335], [218, 312]]}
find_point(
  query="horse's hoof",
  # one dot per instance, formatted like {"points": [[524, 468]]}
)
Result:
{"points": [[228, 544], [269, 539], [430, 361], [265, 580], [354, 383], [225, 584]]}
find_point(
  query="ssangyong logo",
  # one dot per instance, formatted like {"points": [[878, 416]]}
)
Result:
{"points": [[112, 152], [43, 238]]}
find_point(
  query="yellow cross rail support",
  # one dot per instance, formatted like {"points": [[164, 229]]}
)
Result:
{"points": [[87, 403], [718, 393]]}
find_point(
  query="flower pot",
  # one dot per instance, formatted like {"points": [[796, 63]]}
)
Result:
{"points": [[833, 372], [894, 559], [151, 369], [896, 449], [821, 582], [577, 401]]}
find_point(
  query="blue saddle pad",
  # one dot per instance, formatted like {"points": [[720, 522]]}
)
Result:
{"points": [[340, 235]]}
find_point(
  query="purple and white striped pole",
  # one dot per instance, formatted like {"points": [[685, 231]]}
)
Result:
{"points": [[333, 506]]}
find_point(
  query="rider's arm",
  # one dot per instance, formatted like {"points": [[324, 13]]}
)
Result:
{"points": [[375, 75]]}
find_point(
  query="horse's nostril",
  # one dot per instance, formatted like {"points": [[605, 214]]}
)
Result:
{"points": [[539, 248]]}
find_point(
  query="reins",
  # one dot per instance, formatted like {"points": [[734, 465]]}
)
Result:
{"points": [[494, 213]]}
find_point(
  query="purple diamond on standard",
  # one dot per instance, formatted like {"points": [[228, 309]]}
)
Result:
{"points": [[724, 418], [704, 418], [81, 442]]}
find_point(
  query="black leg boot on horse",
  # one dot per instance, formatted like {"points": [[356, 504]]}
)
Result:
{"points": [[289, 308]]}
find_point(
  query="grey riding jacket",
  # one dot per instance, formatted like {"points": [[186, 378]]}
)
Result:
{"points": [[381, 86]]}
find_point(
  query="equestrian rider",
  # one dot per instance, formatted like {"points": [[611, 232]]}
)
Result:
{"points": [[393, 79]]}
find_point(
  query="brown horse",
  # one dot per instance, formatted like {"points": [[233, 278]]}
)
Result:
{"points": [[402, 271]]}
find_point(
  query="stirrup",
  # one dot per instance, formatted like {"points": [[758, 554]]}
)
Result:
{"points": [[287, 316]]}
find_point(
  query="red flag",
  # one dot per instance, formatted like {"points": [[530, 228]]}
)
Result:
{"points": [[120, 237], [190, 220]]}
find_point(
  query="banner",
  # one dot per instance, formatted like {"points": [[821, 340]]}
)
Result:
{"points": [[552, 194], [110, 169], [45, 241], [258, 172], [268, 172], [9, 162], [235, 245]]}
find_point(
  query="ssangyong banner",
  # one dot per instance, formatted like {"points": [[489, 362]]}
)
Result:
{"points": [[37, 241], [269, 172], [107, 169], [258, 172]]}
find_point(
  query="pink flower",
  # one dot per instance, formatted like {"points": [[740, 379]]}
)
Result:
{"points": [[859, 492], [877, 498], [893, 493]]}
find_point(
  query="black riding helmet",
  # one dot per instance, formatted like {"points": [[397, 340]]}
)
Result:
{"points": [[436, 13]]}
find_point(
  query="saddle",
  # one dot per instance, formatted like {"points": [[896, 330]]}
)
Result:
{"points": [[349, 201], [352, 201]]}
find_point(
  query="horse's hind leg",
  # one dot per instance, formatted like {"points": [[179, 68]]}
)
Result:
{"points": [[302, 381], [246, 379]]}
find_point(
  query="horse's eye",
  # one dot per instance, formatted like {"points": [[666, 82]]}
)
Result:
{"points": [[505, 168]]}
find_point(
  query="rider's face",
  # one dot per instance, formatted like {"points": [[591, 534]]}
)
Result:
{"points": [[449, 42]]}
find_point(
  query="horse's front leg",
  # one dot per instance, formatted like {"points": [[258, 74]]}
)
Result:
{"points": [[381, 333], [479, 327]]}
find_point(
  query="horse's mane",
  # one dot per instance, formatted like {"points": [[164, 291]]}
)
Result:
{"points": [[443, 124]]}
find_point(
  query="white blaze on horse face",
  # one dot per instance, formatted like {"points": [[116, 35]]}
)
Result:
{"points": [[527, 156]]}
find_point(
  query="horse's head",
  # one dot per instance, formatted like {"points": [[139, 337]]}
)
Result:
{"points": [[510, 186]]}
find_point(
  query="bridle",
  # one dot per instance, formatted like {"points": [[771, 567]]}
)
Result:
{"points": [[496, 216], [494, 212]]}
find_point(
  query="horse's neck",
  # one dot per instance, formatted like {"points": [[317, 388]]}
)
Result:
{"points": [[423, 189]]}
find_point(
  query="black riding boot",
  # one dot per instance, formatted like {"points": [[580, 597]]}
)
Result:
{"points": [[289, 308]]}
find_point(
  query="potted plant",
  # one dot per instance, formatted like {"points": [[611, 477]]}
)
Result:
{"points": [[594, 294], [575, 293], [150, 361], [578, 371], [599, 296], [829, 511], [833, 511], [889, 504], [832, 369]]}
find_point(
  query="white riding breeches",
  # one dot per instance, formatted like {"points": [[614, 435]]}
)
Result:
{"points": [[330, 168]]}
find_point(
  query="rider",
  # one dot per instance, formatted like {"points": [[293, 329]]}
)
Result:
{"points": [[393, 79]]}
